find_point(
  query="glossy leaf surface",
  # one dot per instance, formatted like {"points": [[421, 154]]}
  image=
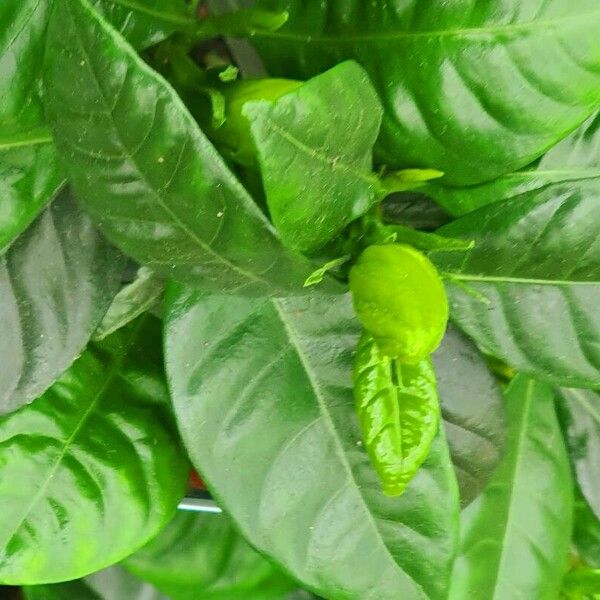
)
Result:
{"points": [[133, 299], [315, 152], [475, 89], [95, 452], [398, 410], [203, 556], [146, 173], [580, 412], [29, 175], [263, 396], [575, 159], [516, 536], [472, 411], [56, 283], [528, 291]]}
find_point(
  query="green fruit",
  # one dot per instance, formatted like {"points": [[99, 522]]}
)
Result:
{"points": [[400, 299], [235, 134]]}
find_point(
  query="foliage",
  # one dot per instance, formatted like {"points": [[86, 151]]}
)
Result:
{"points": [[359, 296]]}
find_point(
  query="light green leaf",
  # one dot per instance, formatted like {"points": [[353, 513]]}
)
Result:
{"points": [[472, 412], [528, 291], [92, 469], [573, 160], [135, 298], [145, 171], [473, 88], [315, 151], [203, 556], [56, 283], [580, 415], [516, 536], [263, 395]]}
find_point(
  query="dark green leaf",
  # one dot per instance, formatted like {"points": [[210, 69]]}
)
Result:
{"points": [[92, 469], [516, 535], [29, 176], [263, 395], [315, 151], [472, 412], [574, 159], [580, 415], [475, 89], [528, 291], [135, 298], [586, 532], [145, 171], [56, 282], [203, 556], [114, 583]]}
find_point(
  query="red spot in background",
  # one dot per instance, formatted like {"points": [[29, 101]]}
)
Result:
{"points": [[195, 481]]}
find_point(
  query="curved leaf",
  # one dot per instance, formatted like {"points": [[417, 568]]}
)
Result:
{"points": [[574, 159], [586, 532], [145, 171], [472, 410], [29, 175], [398, 411], [92, 469], [516, 535], [263, 396], [528, 291], [203, 556], [56, 282], [473, 88], [580, 412], [315, 150]]}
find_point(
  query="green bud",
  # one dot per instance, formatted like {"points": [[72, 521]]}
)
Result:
{"points": [[400, 299], [235, 134]]}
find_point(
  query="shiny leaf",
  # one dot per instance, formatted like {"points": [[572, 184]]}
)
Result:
{"points": [[145, 171], [315, 151], [135, 298], [516, 536], [203, 556], [263, 396], [56, 283], [472, 412], [574, 159], [398, 410], [527, 292], [473, 88], [29, 175], [92, 469], [580, 412]]}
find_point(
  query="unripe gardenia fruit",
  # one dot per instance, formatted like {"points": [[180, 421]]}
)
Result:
{"points": [[400, 299], [235, 133]]}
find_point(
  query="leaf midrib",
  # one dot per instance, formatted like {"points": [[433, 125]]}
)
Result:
{"points": [[519, 280], [295, 342], [155, 14], [395, 36]]}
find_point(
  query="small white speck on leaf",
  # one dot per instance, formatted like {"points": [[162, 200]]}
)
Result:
{"points": [[220, 213], [161, 159]]}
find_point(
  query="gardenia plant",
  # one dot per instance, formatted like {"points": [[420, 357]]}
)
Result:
{"points": [[360, 296]]}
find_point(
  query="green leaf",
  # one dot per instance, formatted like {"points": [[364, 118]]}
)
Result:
{"points": [[528, 291], [56, 283], [475, 89], [582, 584], [145, 171], [586, 532], [516, 536], [92, 469], [114, 583], [146, 22], [135, 298], [29, 175], [573, 160], [263, 395], [398, 410], [203, 556], [315, 151], [472, 412], [580, 415]]}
